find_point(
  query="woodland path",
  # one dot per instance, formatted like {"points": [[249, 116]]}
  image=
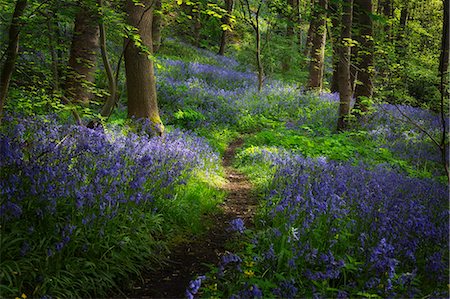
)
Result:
{"points": [[188, 260]]}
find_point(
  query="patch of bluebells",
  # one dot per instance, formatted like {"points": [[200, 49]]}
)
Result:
{"points": [[336, 229], [64, 187], [389, 125], [225, 96]]}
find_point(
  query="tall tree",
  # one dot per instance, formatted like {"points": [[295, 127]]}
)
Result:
{"points": [[345, 87], [311, 31], [83, 54], [444, 84], [364, 63], [141, 84], [226, 23], [11, 52], [335, 12], [252, 17], [316, 65]]}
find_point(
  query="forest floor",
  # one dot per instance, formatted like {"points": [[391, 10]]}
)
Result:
{"points": [[191, 258]]}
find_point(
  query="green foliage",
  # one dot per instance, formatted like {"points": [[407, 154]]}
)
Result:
{"points": [[188, 118], [185, 214]]}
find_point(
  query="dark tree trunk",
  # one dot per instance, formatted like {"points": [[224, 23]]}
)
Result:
{"points": [[364, 64], [112, 84], [141, 84], [318, 46], [345, 88], [444, 84], [83, 56], [11, 52], [311, 32], [156, 26], [226, 21], [335, 15]]}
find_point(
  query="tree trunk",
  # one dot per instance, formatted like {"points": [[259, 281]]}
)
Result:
{"points": [[83, 56], [11, 52], [141, 84], [318, 46], [259, 63], [345, 88], [226, 21], [335, 15], [156, 26], [112, 85], [311, 32], [444, 84], [364, 64]]}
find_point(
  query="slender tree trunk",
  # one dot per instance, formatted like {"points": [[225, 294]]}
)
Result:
{"points": [[259, 63], [311, 31], [365, 64], [298, 24], [111, 100], [226, 21], [345, 88], [335, 15], [11, 52], [141, 84], [83, 56], [156, 26], [318, 46], [444, 84]]}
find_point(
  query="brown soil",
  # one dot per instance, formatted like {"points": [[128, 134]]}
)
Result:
{"points": [[192, 258]]}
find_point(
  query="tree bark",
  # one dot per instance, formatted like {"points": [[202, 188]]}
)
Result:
{"points": [[364, 64], [112, 85], [83, 56], [311, 32], [11, 52], [156, 26], [444, 84], [141, 84], [259, 63], [226, 21], [335, 32], [345, 88], [318, 46]]}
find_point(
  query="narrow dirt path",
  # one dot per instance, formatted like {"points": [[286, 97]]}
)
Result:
{"points": [[190, 259]]}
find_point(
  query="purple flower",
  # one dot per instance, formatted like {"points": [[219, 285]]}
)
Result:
{"points": [[237, 225], [194, 286]]}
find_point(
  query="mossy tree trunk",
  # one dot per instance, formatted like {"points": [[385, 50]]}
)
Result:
{"points": [[141, 84], [365, 61], [318, 46]]}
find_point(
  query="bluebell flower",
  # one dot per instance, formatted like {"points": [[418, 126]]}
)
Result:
{"points": [[237, 225]]}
